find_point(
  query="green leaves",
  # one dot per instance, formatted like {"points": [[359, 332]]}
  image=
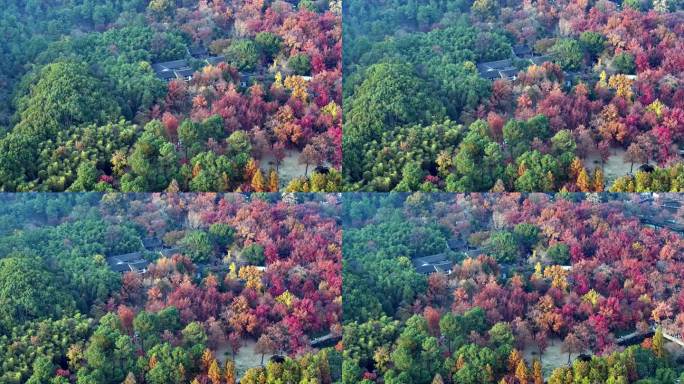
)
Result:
{"points": [[28, 291]]}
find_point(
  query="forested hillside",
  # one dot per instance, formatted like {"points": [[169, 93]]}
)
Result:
{"points": [[513, 289], [189, 95], [492, 95], [161, 289]]}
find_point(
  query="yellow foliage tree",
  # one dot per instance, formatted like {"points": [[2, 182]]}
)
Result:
{"points": [[583, 181], [557, 275], [513, 359], [273, 182], [521, 372], [656, 107], [252, 277], [598, 181], [214, 373], [286, 298], [537, 376], [251, 168], [576, 167], [298, 86], [207, 358], [230, 372], [658, 343], [278, 83], [130, 379], [258, 182], [622, 85], [331, 109], [592, 297]]}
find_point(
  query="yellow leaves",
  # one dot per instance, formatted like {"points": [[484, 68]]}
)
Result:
{"points": [[196, 169], [583, 181], [591, 297], [252, 276], [576, 167], [598, 180], [331, 109], [514, 359], [610, 125], [470, 66], [656, 107], [214, 373], [538, 270], [603, 80], [297, 85], [119, 163], [622, 85], [382, 357], [207, 358], [278, 83], [99, 259], [258, 181], [558, 276], [273, 182], [286, 298], [232, 271], [521, 371]]}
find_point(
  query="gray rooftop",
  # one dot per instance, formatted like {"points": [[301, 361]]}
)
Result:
{"points": [[430, 264]]}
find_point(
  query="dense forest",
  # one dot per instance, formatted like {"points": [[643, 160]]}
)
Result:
{"points": [[185, 95], [167, 288], [562, 289], [488, 95]]}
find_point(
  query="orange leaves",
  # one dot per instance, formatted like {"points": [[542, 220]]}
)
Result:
{"points": [[258, 181], [199, 101], [622, 85], [298, 86], [252, 276], [610, 125]]}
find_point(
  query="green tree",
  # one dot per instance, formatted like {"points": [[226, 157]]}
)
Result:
{"points": [[593, 43], [416, 355], [391, 95], [42, 371], [411, 177], [86, 177], [253, 254], [568, 54], [29, 291], [559, 253], [171, 365], [503, 246], [269, 44], [222, 234], [527, 234], [478, 161], [110, 353], [197, 245], [300, 64], [243, 54], [624, 63], [153, 161]]}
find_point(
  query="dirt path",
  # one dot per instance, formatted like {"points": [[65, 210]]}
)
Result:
{"points": [[552, 357], [615, 166], [289, 169], [245, 359]]}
